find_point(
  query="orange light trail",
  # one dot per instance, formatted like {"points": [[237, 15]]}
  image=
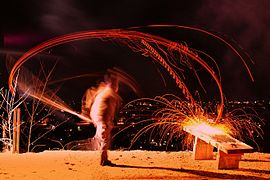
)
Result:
{"points": [[39, 91], [144, 43], [216, 37], [59, 106], [32, 86]]}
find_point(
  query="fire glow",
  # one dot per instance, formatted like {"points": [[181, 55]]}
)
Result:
{"points": [[208, 129]]}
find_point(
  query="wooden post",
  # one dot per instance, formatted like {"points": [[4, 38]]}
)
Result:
{"points": [[228, 161], [18, 130], [14, 143], [202, 150]]}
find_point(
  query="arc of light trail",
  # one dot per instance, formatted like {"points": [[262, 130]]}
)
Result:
{"points": [[180, 84], [133, 36], [61, 107], [213, 35]]}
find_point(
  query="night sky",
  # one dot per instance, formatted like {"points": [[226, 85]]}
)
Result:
{"points": [[25, 24]]}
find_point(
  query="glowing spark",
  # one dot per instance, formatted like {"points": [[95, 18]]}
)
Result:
{"points": [[171, 115]]}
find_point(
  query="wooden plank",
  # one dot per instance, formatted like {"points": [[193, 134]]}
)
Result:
{"points": [[228, 161], [230, 145], [223, 142], [202, 150]]}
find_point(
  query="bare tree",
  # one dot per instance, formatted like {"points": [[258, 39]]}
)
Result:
{"points": [[9, 102], [41, 103], [35, 111]]}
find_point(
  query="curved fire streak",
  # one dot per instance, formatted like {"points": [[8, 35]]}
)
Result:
{"points": [[216, 37], [138, 42]]}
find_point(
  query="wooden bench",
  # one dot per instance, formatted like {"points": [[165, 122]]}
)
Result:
{"points": [[229, 149]]}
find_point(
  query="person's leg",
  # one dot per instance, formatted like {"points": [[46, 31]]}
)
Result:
{"points": [[105, 144]]}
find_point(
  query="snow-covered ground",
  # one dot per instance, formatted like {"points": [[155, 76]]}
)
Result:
{"points": [[84, 165]]}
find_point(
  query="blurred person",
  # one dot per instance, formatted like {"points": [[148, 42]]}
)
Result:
{"points": [[102, 103]]}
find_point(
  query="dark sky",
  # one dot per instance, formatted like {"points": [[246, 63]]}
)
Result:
{"points": [[28, 23]]}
